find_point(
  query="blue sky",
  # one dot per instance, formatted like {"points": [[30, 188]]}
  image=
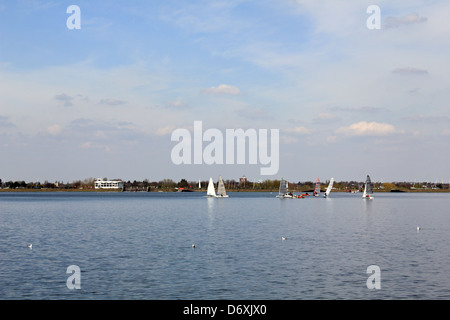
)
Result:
{"points": [[103, 101]]}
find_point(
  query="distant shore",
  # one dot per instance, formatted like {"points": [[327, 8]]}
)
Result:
{"points": [[201, 190]]}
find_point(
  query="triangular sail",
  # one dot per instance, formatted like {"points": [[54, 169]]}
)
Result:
{"points": [[367, 188], [284, 193], [330, 186], [283, 187], [317, 188], [211, 192], [221, 188]]}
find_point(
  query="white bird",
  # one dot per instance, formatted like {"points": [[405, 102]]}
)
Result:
{"points": [[193, 246], [418, 228], [283, 238], [30, 246]]}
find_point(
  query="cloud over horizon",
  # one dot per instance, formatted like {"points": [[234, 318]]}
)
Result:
{"points": [[223, 89], [364, 128], [409, 19], [64, 98]]}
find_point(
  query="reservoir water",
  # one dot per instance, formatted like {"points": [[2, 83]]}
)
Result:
{"points": [[139, 246]]}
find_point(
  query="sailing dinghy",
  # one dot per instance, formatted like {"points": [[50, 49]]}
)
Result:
{"points": [[211, 192], [368, 189], [316, 192], [221, 193], [330, 186], [283, 192]]}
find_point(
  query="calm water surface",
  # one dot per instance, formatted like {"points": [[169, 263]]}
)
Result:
{"points": [[138, 246]]}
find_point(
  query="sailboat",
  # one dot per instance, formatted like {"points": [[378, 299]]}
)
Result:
{"points": [[211, 192], [316, 192], [330, 186], [368, 189], [283, 192], [221, 193]]}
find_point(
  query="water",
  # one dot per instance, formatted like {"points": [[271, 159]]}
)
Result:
{"points": [[138, 246]]}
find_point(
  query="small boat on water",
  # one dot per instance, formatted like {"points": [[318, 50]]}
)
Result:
{"points": [[211, 192], [221, 192], [283, 193], [330, 186], [368, 189], [316, 191]]}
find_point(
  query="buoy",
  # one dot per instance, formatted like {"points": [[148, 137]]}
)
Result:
{"points": [[193, 246], [418, 228]]}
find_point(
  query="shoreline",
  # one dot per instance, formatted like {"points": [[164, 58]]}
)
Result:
{"points": [[242, 190]]}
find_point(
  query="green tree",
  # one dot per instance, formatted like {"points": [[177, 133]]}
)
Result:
{"points": [[183, 183]]}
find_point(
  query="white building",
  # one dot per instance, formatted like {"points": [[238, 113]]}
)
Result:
{"points": [[116, 184]]}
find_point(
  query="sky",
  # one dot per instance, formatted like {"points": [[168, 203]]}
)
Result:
{"points": [[103, 100]]}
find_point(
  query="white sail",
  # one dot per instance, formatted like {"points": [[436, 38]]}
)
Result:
{"points": [[221, 192], [211, 192], [283, 188], [330, 186], [368, 189], [283, 192]]}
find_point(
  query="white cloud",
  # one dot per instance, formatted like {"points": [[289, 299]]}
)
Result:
{"points": [[176, 104], [54, 129], [100, 134], [324, 117], [288, 140], [412, 18], [223, 89], [165, 130], [93, 145], [298, 130], [364, 128]]}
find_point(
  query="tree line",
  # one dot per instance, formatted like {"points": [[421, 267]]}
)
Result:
{"points": [[230, 184]]}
